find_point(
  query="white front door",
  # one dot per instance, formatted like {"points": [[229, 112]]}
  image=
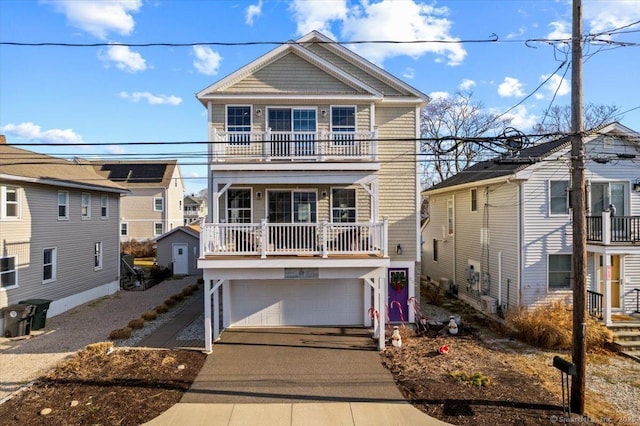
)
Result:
{"points": [[181, 259]]}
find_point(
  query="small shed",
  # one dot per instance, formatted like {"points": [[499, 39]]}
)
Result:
{"points": [[178, 250]]}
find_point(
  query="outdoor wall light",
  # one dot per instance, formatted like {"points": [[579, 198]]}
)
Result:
{"points": [[259, 112], [636, 186], [323, 194], [323, 112], [399, 249], [258, 195]]}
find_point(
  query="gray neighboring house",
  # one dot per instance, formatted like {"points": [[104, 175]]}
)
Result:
{"points": [[501, 230], [195, 209], [178, 250], [58, 231]]}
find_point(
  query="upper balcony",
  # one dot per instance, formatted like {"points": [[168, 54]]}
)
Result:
{"points": [[322, 146], [613, 230]]}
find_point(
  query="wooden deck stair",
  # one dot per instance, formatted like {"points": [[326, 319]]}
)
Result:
{"points": [[627, 338]]}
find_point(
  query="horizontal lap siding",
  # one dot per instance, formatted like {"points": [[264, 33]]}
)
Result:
{"points": [[632, 281], [290, 74], [397, 183], [74, 241], [443, 268]]}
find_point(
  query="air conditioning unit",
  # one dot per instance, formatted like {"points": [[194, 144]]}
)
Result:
{"points": [[489, 304]]}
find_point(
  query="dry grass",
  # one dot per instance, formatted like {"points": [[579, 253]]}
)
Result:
{"points": [[120, 334], [100, 347], [149, 315], [161, 309], [136, 324], [169, 302], [189, 290], [178, 297], [550, 327]]}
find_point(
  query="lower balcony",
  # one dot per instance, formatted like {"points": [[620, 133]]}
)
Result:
{"points": [[616, 230], [294, 239]]}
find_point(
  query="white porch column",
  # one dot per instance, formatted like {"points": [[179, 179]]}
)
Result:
{"points": [[216, 313], [382, 303], [606, 228], [606, 303], [208, 283], [367, 302]]}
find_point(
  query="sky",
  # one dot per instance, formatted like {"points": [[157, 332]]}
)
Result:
{"points": [[117, 96]]}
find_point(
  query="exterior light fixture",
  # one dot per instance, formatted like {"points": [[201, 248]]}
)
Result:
{"points": [[399, 249]]}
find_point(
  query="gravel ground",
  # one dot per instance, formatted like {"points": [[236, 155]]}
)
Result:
{"points": [[23, 360]]}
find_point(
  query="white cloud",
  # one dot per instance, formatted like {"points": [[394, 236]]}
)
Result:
{"points": [[510, 87], [391, 20], [409, 73], [207, 61], [556, 83], [403, 21], [466, 84], [100, 17], [151, 98], [116, 149], [521, 118], [439, 95], [123, 58], [561, 30], [318, 15], [253, 11], [33, 132], [606, 15]]}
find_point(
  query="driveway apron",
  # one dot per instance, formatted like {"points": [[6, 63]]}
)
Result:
{"points": [[292, 365]]}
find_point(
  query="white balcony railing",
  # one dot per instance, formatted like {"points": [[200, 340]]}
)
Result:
{"points": [[309, 146], [318, 239]]}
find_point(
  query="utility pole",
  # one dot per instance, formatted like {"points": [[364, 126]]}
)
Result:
{"points": [[578, 384]]}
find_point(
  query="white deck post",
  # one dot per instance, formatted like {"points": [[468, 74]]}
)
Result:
{"points": [[208, 283], [325, 248], [606, 228], [606, 303], [216, 313], [264, 239]]}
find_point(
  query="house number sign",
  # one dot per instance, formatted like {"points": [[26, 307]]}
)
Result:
{"points": [[301, 273]]}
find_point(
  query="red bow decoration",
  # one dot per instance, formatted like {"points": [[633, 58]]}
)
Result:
{"points": [[444, 349]]}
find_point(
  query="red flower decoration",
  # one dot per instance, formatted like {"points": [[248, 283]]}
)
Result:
{"points": [[444, 349]]}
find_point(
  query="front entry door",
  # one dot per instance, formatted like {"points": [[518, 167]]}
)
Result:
{"points": [[614, 278], [181, 259], [398, 294]]}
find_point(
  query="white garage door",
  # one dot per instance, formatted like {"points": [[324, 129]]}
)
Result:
{"points": [[296, 302]]}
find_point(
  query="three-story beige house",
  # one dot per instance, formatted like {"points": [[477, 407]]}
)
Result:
{"points": [[313, 192]]}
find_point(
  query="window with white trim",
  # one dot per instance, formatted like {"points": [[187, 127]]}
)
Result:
{"points": [[63, 205], [97, 255], [124, 228], [10, 202], [474, 200], [158, 204], [49, 264], [86, 205], [343, 124], [239, 124], [559, 271], [558, 197], [435, 249], [104, 206], [343, 205], [8, 272], [239, 206], [158, 228]]}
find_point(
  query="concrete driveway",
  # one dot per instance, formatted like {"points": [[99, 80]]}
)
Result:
{"points": [[293, 365]]}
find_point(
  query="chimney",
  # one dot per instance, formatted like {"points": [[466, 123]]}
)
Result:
{"points": [[3, 140]]}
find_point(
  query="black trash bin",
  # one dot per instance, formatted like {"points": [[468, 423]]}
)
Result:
{"points": [[17, 320], [40, 314]]}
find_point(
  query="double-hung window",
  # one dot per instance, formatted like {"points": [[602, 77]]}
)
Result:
{"points": [[10, 202], [239, 124], [8, 272], [63, 205], [158, 228], [239, 206], [104, 206], [559, 197], [86, 205], [343, 124], [450, 218], [97, 255], [124, 228], [158, 204], [559, 271], [49, 264], [474, 200], [343, 205]]}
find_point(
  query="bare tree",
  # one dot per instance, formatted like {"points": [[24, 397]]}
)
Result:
{"points": [[450, 127], [558, 118]]}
